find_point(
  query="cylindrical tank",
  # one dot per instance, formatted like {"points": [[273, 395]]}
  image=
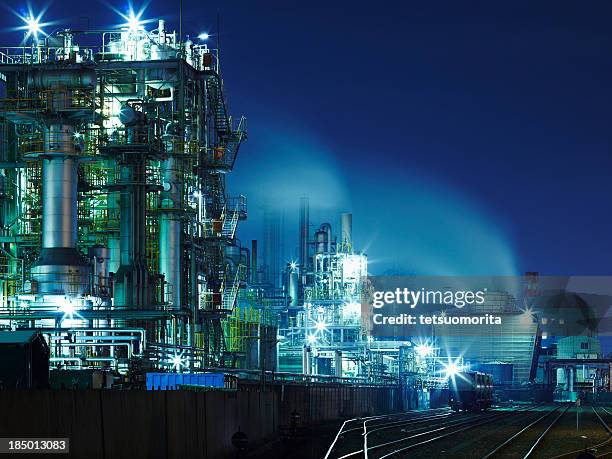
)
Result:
{"points": [[101, 257], [60, 270], [62, 78], [326, 227], [170, 231], [233, 256], [130, 117], [59, 209], [321, 241], [293, 275], [161, 29], [561, 379]]}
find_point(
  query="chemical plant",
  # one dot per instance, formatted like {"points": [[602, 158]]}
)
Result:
{"points": [[119, 256], [118, 233]]}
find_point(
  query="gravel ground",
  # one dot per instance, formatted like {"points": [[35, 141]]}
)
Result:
{"points": [[312, 442], [476, 442]]}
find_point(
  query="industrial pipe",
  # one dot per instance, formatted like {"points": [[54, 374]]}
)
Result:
{"points": [[62, 78]]}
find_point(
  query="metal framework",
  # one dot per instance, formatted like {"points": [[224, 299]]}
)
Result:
{"points": [[115, 216]]}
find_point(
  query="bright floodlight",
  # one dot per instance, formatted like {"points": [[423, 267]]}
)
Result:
{"points": [[133, 18], [133, 22], [293, 265], [33, 26], [451, 369], [424, 350], [67, 307], [311, 339], [203, 36], [321, 326], [178, 361]]}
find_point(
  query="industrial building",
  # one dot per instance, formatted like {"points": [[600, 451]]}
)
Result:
{"points": [[321, 330], [117, 232]]}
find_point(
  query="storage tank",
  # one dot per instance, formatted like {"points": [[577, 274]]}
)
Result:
{"points": [[321, 241]]}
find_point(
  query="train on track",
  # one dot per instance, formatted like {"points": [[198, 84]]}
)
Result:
{"points": [[470, 391]]}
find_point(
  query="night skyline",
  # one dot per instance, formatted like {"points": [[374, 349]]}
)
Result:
{"points": [[482, 128]]}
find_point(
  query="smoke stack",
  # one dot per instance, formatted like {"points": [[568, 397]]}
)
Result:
{"points": [[254, 261], [347, 231], [304, 227]]}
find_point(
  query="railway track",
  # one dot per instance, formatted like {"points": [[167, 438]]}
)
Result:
{"points": [[500, 449], [602, 449], [413, 431], [530, 432], [352, 430], [542, 427]]}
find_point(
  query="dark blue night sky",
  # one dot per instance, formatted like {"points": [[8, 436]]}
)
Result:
{"points": [[466, 137]]}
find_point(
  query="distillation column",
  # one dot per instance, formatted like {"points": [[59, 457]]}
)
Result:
{"points": [[131, 286], [170, 230], [60, 269]]}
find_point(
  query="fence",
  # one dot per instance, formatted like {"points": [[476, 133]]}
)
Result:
{"points": [[116, 424]]}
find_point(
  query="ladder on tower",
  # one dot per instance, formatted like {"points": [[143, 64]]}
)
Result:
{"points": [[230, 293]]}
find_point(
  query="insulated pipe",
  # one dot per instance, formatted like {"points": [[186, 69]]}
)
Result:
{"points": [[170, 230], [114, 345], [131, 331]]}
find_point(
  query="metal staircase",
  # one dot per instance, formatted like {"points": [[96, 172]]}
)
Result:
{"points": [[236, 137], [230, 222], [230, 293]]}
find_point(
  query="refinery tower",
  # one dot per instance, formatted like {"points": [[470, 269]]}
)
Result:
{"points": [[117, 233]]}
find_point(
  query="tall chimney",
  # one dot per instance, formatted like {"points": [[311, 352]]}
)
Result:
{"points": [[304, 226], [254, 261], [347, 231]]}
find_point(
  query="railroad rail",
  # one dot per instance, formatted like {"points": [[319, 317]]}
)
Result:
{"points": [[412, 426]]}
